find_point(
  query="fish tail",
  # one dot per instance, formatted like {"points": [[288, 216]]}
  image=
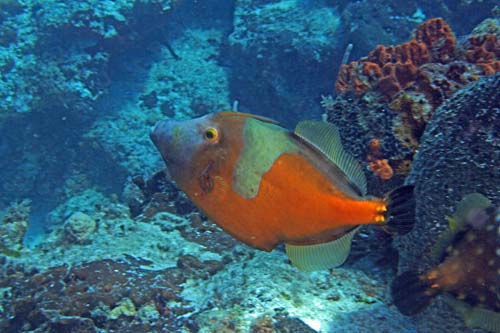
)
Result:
{"points": [[412, 292], [400, 212]]}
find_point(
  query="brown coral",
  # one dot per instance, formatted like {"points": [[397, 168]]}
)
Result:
{"points": [[415, 77], [377, 164], [381, 169], [394, 68], [484, 51], [436, 34]]}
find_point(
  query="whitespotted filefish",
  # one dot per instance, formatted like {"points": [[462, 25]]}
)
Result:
{"points": [[469, 272], [266, 185]]}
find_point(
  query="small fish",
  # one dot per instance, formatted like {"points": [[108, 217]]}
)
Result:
{"points": [[266, 185], [469, 272]]}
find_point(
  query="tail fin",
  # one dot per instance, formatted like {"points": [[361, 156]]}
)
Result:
{"points": [[400, 210], [411, 293]]}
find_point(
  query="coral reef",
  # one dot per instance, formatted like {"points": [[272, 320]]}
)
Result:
{"points": [[147, 197], [56, 61], [390, 70], [76, 71], [81, 82], [79, 227], [122, 298], [377, 164], [173, 85], [178, 274], [407, 82], [13, 227], [458, 148], [484, 50], [458, 154], [172, 89]]}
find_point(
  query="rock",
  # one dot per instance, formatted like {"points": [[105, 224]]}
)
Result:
{"points": [[13, 227], [77, 299], [156, 194], [459, 154], [148, 313], [282, 54], [79, 227]]}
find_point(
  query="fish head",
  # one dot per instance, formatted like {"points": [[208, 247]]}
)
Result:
{"points": [[195, 149]]}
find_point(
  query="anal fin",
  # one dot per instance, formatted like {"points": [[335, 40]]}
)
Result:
{"points": [[321, 256]]}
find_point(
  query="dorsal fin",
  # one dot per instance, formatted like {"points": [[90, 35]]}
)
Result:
{"points": [[466, 205], [248, 115], [458, 222], [326, 138]]}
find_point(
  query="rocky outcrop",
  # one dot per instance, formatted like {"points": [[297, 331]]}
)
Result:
{"points": [[459, 154]]}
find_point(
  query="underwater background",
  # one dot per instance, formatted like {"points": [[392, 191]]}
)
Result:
{"points": [[96, 237]]}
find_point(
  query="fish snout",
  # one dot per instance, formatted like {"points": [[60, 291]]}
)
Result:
{"points": [[175, 140], [152, 134], [180, 143], [161, 135], [157, 132], [164, 134]]}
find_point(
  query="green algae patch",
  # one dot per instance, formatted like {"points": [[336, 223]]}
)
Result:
{"points": [[125, 308], [8, 252]]}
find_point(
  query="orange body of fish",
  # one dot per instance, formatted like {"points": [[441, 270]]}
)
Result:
{"points": [[265, 185]]}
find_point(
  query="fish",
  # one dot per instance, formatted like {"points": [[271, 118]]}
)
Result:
{"points": [[468, 273], [266, 185]]}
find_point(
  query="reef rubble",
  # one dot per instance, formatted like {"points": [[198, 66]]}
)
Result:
{"points": [[159, 271]]}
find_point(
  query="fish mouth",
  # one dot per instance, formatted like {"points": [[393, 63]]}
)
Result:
{"points": [[178, 142], [173, 139], [154, 133], [160, 135]]}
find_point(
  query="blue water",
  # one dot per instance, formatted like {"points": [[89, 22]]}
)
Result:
{"points": [[83, 82]]}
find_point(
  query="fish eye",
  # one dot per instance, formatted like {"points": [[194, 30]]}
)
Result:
{"points": [[211, 134]]}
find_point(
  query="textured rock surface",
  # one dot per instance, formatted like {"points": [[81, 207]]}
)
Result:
{"points": [[459, 154], [393, 92], [79, 227], [362, 119], [66, 65], [13, 226], [282, 54], [182, 274]]}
